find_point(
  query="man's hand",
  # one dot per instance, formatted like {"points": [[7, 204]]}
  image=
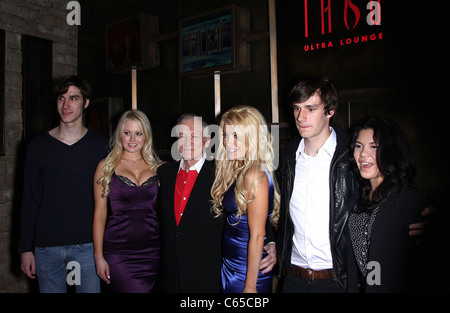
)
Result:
{"points": [[28, 264], [270, 260], [420, 229]]}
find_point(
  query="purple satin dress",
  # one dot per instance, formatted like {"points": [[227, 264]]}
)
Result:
{"points": [[131, 243]]}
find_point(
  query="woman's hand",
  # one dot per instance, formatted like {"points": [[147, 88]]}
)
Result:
{"points": [[103, 269]]}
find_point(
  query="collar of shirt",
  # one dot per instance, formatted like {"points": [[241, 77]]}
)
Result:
{"points": [[329, 146], [197, 166]]}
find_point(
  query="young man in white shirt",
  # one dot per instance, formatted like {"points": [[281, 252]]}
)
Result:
{"points": [[318, 192]]}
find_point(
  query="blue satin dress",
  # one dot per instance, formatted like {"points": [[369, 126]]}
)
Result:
{"points": [[235, 245]]}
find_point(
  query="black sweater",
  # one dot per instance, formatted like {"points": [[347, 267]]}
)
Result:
{"points": [[58, 201]]}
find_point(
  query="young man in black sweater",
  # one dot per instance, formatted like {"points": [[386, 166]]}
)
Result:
{"points": [[58, 205]]}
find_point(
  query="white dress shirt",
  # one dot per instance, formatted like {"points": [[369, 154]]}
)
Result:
{"points": [[197, 166], [309, 207]]}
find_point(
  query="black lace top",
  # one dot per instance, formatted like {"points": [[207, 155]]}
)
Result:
{"points": [[360, 227], [130, 183]]}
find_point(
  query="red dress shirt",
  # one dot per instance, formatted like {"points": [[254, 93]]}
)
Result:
{"points": [[183, 187]]}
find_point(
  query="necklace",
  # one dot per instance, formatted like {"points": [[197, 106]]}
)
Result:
{"points": [[130, 162]]}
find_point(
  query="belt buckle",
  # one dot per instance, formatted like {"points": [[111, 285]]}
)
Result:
{"points": [[310, 275]]}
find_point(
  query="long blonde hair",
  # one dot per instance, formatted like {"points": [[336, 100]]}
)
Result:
{"points": [[113, 158], [250, 126]]}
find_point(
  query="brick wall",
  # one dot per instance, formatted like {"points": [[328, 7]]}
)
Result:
{"points": [[45, 19]]}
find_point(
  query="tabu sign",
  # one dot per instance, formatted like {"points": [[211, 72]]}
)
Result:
{"points": [[213, 41], [330, 23]]}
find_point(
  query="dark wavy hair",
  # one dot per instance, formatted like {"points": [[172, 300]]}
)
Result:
{"points": [[320, 85], [393, 157], [81, 83]]}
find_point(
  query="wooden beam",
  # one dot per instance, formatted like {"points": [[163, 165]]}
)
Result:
{"points": [[273, 61], [134, 88]]}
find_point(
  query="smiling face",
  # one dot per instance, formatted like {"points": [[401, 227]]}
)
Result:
{"points": [[365, 154], [71, 105], [191, 142], [132, 137], [234, 143]]}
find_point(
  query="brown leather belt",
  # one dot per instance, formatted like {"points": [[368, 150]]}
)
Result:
{"points": [[309, 274]]}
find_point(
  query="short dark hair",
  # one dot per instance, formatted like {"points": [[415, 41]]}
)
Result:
{"points": [[81, 83], [320, 85]]}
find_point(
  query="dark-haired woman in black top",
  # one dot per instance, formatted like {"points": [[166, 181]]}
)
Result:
{"points": [[384, 254]]}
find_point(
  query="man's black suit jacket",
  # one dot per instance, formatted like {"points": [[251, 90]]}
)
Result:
{"points": [[191, 254]]}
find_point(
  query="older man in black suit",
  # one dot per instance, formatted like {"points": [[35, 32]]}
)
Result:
{"points": [[191, 235]]}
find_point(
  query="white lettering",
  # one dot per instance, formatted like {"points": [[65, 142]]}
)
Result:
{"points": [[374, 17], [74, 17], [74, 276], [374, 276]]}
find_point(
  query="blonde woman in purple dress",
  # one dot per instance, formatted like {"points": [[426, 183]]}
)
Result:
{"points": [[126, 244]]}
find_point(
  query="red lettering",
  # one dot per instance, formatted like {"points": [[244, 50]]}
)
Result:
{"points": [[348, 3], [327, 9], [351, 15], [306, 18], [318, 46]]}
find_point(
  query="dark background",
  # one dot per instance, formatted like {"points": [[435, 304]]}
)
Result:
{"points": [[403, 76]]}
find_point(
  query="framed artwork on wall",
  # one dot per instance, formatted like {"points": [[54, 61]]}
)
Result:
{"points": [[129, 43], [213, 41]]}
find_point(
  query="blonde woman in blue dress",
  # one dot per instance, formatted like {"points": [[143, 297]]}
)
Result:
{"points": [[245, 191]]}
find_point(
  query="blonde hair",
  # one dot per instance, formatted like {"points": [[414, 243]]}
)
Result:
{"points": [[250, 126], [113, 158]]}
